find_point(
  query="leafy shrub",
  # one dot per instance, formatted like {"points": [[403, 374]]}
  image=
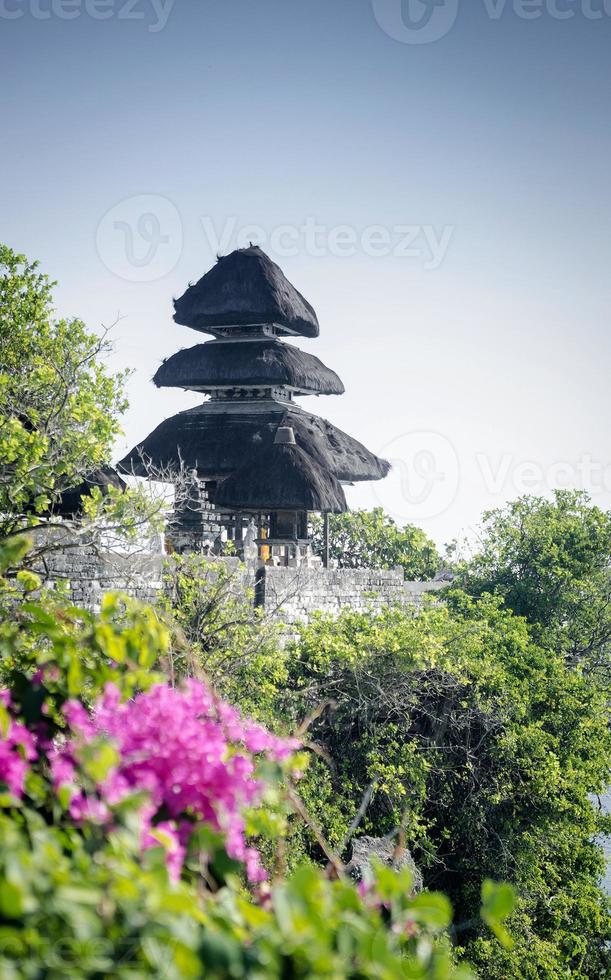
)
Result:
{"points": [[129, 825]]}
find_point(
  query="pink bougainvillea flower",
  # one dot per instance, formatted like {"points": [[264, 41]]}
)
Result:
{"points": [[17, 750], [189, 751]]}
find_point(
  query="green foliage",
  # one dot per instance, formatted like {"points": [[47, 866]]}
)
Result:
{"points": [[79, 651], [217, 632], [79, 907], [482, 748], [476, 739], [372, 539], [550, 560], [59, 406], [498, 902], [71, 906], [84, 900]]}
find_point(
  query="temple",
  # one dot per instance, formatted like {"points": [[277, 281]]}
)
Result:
{"points": [[256, 463]]}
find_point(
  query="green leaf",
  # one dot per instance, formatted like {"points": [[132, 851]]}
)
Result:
{"points": [[12, 903], [98, 759], [498, 902], [431, 909], [498, 899]]}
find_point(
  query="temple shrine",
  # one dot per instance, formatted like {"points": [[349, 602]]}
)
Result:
{"points": [[256, 464]]}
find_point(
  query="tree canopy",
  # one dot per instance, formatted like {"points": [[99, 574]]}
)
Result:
{"points": [[456, 729], [550, 561], [372, 539], [476, 726], [59, 405]]}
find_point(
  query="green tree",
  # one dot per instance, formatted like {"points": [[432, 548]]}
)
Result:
{"points": [[372, 539], [454, 730], [550, 560], [59, 406]]}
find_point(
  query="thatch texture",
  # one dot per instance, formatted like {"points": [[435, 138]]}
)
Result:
{"points": [[281, 477], [242, 289], [222, 363], [217, 439], [71, 505]]}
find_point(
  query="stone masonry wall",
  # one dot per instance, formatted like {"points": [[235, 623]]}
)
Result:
{"points": [[290, 594], [297, 593], [89, 573]]}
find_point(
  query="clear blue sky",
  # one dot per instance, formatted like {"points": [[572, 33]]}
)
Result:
{"points": [[479, 363]]}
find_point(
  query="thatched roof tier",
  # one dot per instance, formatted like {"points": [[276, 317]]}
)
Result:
{"points": [[282, 477], [245, 289], [219, 438], [228, 364], [70, 503]]}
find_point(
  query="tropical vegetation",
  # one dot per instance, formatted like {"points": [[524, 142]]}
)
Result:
{"points": [[183, 788]]}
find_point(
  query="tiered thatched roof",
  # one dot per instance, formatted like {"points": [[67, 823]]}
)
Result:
{"points": [[224, 363], [244, 289], [246, 301], [282, 477], [219, 438]]}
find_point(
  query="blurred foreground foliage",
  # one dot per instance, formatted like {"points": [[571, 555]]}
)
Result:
{"points": [[81, 899]]}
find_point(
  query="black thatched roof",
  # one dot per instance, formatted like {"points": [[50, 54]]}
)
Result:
{"points": [[250, 362], [218, 439], [70, 503], [282, 477], [242, 289]]}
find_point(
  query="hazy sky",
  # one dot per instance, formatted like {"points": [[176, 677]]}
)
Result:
{"points": [[434, 177]]}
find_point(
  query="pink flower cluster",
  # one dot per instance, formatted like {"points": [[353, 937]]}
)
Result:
{"points": [[17, 749], [190, 752]]}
